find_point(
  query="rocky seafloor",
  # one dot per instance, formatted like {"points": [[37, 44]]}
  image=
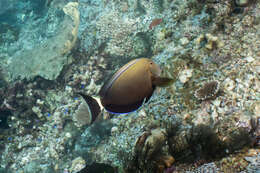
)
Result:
{"points": [[208, 120]]}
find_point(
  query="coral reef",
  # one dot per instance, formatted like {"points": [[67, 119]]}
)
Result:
{"points": [[206, 121]]}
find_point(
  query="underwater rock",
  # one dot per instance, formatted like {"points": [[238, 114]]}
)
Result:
{"points": [[149, 143], [232, 134], [139, 143], [234, 163], [154, 141], [71, 9], [180, 142], [77, 164], [209, 41], [148, 152], [47, 58]]}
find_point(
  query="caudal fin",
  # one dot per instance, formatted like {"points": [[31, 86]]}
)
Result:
{"points": [[93, 106]]}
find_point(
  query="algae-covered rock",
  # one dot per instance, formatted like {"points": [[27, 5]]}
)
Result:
{"points": [[47, 58]]}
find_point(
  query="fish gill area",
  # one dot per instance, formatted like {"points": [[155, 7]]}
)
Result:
{"points": [[208, 120]]}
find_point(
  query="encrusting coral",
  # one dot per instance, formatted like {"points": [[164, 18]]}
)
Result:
{"points": [[207, 91]]}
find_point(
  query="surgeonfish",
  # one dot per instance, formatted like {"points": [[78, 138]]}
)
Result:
{"points": [[131, 86]]}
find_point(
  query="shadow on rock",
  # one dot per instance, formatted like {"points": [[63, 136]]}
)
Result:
{"points": [[157, 149]]}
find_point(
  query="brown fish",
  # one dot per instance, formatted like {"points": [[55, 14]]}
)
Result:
{"points": [[131, 85], [155, 22]]}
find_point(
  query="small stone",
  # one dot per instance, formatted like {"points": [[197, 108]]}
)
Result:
{"points": [[142, 113], [68, 89], [211, 37], [212, 41], [185, 75], [186, 116], [221, 110], [184, 41], [250, 159], [160, 35], [217, 103], [37, 111], [114, 129], [249, 59], [68, 135], [199, 39], [56, 167], [39, 102], [229, 84], [77, 164]]}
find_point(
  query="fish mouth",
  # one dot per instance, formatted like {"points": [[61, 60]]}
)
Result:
{"points": [[155, 70]]}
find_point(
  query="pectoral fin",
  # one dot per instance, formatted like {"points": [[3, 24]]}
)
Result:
{"points": [[162, 81]]}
